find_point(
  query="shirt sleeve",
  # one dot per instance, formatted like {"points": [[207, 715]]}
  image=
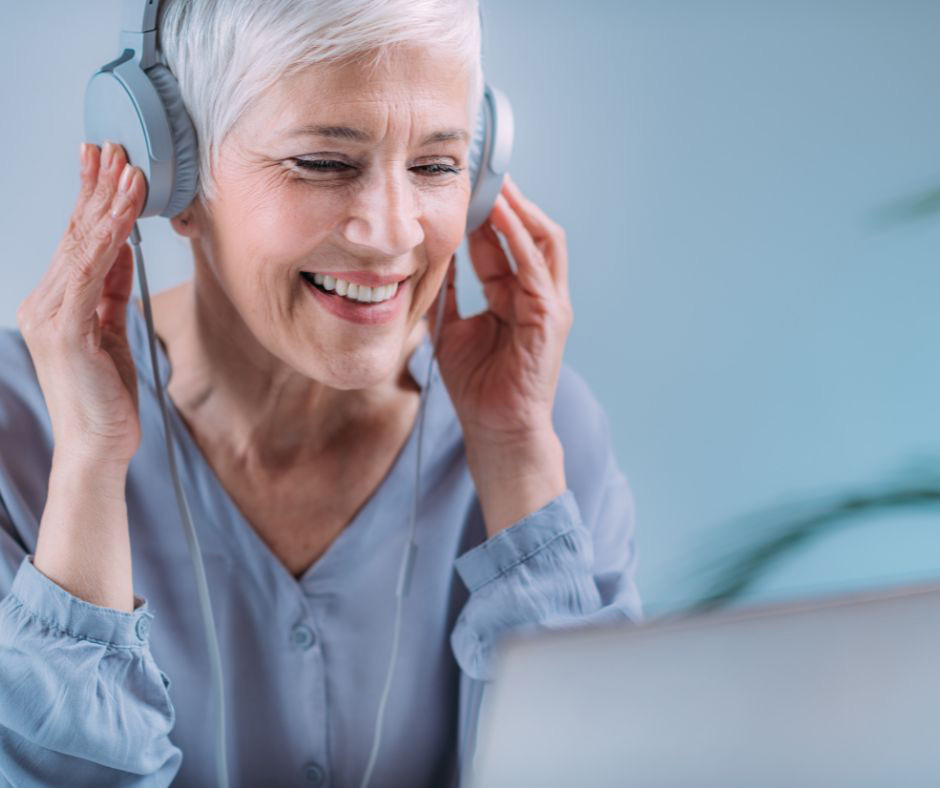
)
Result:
{"points": [[82, 702], [550, 570]]}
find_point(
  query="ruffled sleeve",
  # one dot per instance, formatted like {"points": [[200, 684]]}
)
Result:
{"points": [[536, 574], [82, 701]]}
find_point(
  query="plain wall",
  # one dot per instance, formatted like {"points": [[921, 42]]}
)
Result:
{"points": [[755, 328]]}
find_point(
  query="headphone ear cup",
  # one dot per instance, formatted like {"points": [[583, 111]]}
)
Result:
{"points": [[185, 144], [490, 152], [143, 112]]}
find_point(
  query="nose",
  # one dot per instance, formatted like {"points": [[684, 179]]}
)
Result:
{"points": [[383, 216]]}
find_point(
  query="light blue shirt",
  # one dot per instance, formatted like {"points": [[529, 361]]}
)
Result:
{"points": [[92, 696]]}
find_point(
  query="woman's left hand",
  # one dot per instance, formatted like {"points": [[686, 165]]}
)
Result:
{"points": [[501, 366]]}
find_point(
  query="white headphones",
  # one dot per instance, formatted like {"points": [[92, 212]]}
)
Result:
{"points": [[135, 100]]}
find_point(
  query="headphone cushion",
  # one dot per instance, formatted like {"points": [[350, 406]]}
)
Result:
{"points": [[475, 153], [185, 145]]}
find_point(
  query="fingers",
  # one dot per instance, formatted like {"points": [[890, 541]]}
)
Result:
{"points": [[95, 236], [487, 255], [549, 234], [104, 198], [90, 157], [492, 267], [532, 271]]}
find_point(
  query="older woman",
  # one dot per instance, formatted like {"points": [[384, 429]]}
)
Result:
{"points": [[333, 154]]}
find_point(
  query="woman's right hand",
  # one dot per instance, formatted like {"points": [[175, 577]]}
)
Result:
{"points": [[74, 322]]}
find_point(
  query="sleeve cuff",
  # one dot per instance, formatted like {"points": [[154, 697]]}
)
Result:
{"points": [[523, 539], [51, 604]]}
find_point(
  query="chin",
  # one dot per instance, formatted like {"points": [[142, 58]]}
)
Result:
{"points": [[348, 371]]}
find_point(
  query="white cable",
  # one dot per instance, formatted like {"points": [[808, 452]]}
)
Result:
{"points": [[411, 549], [202, 587]]}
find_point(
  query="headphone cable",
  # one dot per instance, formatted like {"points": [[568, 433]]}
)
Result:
{"points": [[202, 587]]}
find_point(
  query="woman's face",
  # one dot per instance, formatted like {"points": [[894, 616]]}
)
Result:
{"points": [[354, 172]]}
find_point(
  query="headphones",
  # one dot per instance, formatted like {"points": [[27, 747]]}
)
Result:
{"points": [[135, 100]]}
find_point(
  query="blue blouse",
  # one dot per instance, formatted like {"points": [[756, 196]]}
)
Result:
{"points": [[93, 696]]}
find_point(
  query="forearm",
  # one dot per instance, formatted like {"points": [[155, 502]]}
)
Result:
{"points": [[516, 477], [84, 542]]}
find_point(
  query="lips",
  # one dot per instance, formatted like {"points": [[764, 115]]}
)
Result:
{"points": [[366, 313]]}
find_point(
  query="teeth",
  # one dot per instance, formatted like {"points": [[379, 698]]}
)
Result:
{"points": [[361, 293]]}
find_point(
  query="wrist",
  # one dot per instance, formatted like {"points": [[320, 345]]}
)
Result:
{"points": [[501, 456], [515, 477], [77, 472]]}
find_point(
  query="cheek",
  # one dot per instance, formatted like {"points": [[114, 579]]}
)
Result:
{"points": [[445, 218], [445, 221], [274, 217]]}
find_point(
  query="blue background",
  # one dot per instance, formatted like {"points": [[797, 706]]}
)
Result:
{"points": [[756, 319]]}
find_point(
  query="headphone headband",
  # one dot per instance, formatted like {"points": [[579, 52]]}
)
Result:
{"points": [[134, 100], [139, 30], [139, 16]]}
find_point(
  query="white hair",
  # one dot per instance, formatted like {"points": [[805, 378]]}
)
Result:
{"points": [[226, 53]]}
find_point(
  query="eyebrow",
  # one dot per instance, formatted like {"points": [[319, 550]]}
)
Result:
{"points": [[358, 135]]}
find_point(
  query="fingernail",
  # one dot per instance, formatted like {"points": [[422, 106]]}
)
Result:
{"points": [[107, 154], [83, 155], [125, 183]]}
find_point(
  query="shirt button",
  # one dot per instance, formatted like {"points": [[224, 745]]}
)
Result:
{"points": [[142, 627], [302, 637], [314, 773]]}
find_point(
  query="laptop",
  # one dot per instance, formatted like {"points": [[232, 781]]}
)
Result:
{"points": [[843, 691]]}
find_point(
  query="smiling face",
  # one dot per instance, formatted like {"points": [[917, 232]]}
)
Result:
{"points": [[346, 171]]}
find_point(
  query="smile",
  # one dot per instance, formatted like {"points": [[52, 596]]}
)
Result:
{"points": [[352, 291], [383, 304]]}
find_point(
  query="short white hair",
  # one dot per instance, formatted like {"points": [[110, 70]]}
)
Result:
{"points": [[226, 53]]}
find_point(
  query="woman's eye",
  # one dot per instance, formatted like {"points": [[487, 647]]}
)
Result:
{"points": [[436, 170], [322, 165]]}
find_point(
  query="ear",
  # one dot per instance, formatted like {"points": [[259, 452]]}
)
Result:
{"points": [[189, 221]]}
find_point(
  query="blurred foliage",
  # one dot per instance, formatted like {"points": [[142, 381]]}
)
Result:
{"points": [[783, 529], [921, 206]]}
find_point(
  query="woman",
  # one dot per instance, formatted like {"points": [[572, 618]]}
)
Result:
{"points": [[333, 152]]}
